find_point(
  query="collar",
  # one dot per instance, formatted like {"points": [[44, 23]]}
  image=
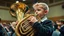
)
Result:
{"points": [[44, 18]]}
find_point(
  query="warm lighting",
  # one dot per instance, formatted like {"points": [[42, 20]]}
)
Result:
{"points": [[17, 1], [24, 0]]}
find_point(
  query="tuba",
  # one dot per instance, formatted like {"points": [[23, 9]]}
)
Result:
{"points": [[23, 28]]}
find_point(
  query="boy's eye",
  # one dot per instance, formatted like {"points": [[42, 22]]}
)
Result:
{"points": [[38, 9]]}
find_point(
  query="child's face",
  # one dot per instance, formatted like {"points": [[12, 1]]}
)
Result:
{"points": [[39, 10]]}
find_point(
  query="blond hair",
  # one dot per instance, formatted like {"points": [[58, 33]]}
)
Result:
{"points": [[43, 4]]}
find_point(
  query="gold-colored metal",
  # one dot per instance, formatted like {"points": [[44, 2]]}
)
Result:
{"points": [[23, 28]]}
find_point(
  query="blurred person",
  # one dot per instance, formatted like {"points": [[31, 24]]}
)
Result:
{"points": [[57, 26], [13, 25], [43, 26], [11, 28], [62, 27]]}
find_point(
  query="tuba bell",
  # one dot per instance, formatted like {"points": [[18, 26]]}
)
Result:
{"points": [[23, 28]]}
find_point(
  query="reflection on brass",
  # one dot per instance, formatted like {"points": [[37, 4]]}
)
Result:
{"points": [[23, 28]]}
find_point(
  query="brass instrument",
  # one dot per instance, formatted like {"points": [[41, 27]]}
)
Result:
{"points": [[23, 28]]}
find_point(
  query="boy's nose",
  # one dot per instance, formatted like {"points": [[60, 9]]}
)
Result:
{"points": [[36, 11]]}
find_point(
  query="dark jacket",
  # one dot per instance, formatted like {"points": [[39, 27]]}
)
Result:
{"points": [[62, 31], [2, 31], [44, 28]]}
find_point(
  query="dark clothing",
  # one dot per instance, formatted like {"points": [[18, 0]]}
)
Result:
{"points": [[2, 31], [62, 31], [44, 28]]}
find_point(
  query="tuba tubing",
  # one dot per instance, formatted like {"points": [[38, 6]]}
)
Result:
{"points": [[23, 28], [20, 31]]}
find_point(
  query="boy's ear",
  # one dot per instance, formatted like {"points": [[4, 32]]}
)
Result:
{"points": [[46, 11]]}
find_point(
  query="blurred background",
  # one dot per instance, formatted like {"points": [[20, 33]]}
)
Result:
{"points": [[56, 8]]}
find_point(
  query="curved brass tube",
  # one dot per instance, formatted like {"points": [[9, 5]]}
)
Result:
{"points": [[23, 28]]}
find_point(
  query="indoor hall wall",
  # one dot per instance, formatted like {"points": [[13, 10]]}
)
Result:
{"points": [[56, 11], [5, 15]]}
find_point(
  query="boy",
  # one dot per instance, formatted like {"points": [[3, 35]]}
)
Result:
{"points": [[44, 27]]}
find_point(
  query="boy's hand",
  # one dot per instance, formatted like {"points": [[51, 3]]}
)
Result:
{"points": [[32, 19]]}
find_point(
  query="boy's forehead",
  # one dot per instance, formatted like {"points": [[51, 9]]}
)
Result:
{"points": [[39, 5]]}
